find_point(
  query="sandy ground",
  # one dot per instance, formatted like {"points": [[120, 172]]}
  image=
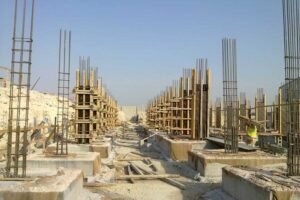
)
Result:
{"points": [[151, 189]]}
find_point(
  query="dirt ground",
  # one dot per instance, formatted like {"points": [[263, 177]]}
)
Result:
{"points": [[148, 189]]}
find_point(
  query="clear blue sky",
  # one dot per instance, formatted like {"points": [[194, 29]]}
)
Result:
{"points": [[142, 45]]}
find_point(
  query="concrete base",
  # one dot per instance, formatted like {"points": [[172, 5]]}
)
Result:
{"points": [[249, 184], [89, 162], [210, 162], [65, 186], [72, 148], [178, 149], [104, 148]]}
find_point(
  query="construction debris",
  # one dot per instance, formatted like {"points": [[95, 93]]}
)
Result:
{"points": [[183, 145]]}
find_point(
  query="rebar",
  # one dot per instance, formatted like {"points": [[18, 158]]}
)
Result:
{"points": [[291, 24], [19, 90], [230, 95], [63, 92]]}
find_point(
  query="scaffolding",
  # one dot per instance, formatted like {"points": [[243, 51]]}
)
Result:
{"points": [[63, 92], [19, 89], [291, 23], [230, 95]]}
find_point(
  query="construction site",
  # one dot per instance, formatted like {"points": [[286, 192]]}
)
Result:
{"points": [[79, 142]]}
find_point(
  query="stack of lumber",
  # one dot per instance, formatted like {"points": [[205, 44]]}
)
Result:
{"points": [[140, 167]]}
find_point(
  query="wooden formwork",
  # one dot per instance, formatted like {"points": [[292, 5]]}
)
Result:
{"points": [[95, 110], [183, 109], [270, 116], [260, 111], [243, 111], [219, 117]]}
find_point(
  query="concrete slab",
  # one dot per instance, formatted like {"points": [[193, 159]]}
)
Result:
{"points": [[242, 145], [72, 148], [88, 162], [178, 149], [102, 147], [210, 162], [258, 184], [64, 186]]}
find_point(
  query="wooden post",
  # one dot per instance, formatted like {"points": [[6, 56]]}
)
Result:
{"points": [[256, 108], [207, 102], [265, 112], [92, 75], [219, 115], [181, 103], [169, 109], [194, 91], [279, 125], [188, 106], [77, 79], [239, 112]]}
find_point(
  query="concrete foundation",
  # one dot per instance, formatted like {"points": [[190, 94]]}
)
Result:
{"points": [[104, 148], [72, 148], [210, 162], [63, 186], [249, 184], [88, 162], [178, 149]]}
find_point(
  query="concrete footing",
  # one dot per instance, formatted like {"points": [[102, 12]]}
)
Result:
{"points": [[104, 148], [178, 149], [66, 185], [210, 162], [258, 184], [88, 162]]}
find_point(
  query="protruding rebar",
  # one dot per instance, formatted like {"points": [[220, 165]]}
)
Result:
{"points": [[63, 92], [19, 90], [230, 95], [291, 23]]}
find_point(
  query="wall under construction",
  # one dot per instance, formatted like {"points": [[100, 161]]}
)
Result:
{"points": [[183, 108]]}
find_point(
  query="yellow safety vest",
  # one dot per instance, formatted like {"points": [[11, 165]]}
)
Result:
{"points": [[252, 132]]}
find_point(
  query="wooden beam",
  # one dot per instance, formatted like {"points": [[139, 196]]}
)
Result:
{"points": [[279, 112], [135, 168], [208, 75], [146, 177], [130, 159], [98, 184], [194, 100], [166, 180], [130, 173]]}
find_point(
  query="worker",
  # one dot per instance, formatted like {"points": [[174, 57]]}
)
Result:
{"points": [[251, 135]]}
